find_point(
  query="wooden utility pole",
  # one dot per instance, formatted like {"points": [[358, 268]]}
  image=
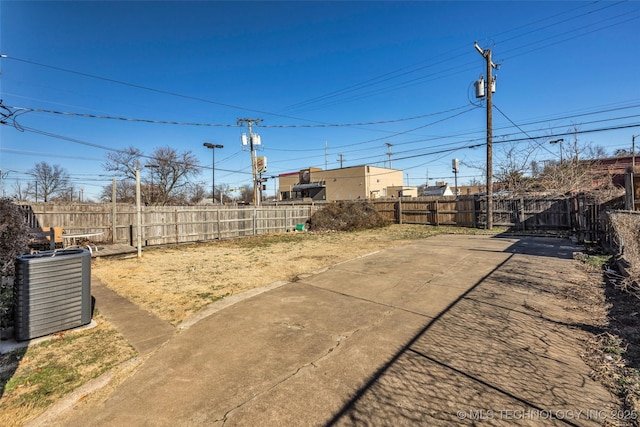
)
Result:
{"points": [[486, 54], [254, 169], [633, 172], [389, 153]]}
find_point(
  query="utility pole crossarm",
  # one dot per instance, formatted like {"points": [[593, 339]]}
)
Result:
{"points": [[486, 54], [254, 170]]}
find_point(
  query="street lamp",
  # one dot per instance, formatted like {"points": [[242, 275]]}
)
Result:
{"points": [[213, 169], [558, 141]]}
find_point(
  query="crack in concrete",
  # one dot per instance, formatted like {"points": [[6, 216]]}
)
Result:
{"points": [[338, 340]]}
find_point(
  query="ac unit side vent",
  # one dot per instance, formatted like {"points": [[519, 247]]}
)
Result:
{"points": [[53, 292]]}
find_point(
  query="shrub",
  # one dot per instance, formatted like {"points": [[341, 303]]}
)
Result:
{"points": [[347, 216], [626, 226], [13, 242]]}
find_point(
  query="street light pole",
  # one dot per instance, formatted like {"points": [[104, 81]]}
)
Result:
{"points": [[558, 141], [213, 169]]}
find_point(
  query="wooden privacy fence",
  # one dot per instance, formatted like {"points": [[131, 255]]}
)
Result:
{"points": [[580, 213], [183, 224], [166, 224], [526, 213]]}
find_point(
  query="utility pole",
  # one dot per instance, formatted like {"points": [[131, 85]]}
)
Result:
{"points": [[340, 159], [633, 152], [633, 172], [326, 166], [389, 153], [253, 141], [489, 88], [558, 141], [455, 165]]}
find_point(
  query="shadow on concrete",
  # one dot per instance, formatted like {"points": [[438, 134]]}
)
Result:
{"points": [[505, 350]]}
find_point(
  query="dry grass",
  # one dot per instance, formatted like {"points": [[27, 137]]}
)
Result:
{"points": [[627, 229], [613, 353], [175, 282], [35, 378]]}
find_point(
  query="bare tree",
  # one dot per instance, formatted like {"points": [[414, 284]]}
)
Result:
{"points": [[66, 195], [172, 173], [123, 162], [577, 171], [125, 192], [246, 194], [195, 193], [50, 180], [165, 173], [22, 190], [510, 171]]}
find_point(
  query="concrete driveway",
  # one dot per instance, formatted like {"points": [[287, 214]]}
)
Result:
{"points": [[450, 330]]}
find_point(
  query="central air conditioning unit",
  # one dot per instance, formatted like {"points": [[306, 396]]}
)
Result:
{"points": [[53, 292]]}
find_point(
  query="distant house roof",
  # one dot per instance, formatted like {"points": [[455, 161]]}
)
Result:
{"points": [[437, 190]]}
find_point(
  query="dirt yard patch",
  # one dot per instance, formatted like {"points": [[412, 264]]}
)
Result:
{"points": [[176, 282]]}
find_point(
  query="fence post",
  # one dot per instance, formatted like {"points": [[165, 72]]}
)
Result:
{"points": [[218, 224], [437, 214], [175, 218], [521, 212], [113, 211], [286, 227], [52, 239], [255, 222], [628, 190], [474, 212], [399, 210]]}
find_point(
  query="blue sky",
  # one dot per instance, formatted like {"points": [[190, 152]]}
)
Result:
{"points": [[326, 78]]}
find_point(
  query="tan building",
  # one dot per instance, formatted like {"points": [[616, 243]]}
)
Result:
{"points": [[402, 191], [351, 183]]}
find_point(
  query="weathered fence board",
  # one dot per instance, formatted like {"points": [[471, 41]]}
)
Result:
{"points": [[184, 224], [167, 224]]}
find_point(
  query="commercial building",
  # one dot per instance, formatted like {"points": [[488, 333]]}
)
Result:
{"points": [[350, 183]]}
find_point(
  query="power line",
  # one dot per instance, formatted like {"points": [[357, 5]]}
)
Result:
{"points": [[90, 144], [147, 88], [127, 119], [589, 27], [24, 110], [398, 73], [540, 144], [436, 75]]}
